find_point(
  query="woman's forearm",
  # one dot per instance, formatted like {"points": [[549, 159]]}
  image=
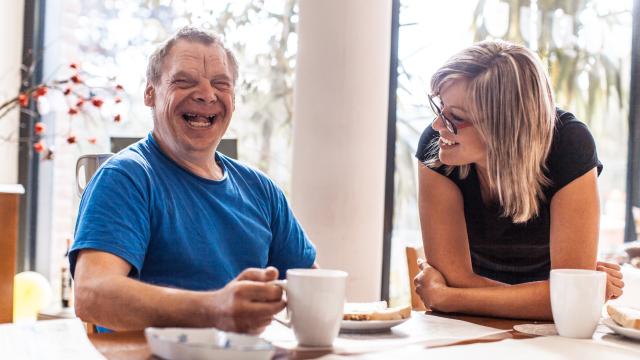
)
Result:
{"points": [[474, 281], [522, 301]]}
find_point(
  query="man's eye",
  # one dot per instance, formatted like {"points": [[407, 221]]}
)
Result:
{"points": [[222, 84]]}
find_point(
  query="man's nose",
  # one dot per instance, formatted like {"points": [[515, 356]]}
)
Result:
{"points": [[206, 93]]}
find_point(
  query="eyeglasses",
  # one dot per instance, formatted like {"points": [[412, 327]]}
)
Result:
{"points": [[449, 124]]}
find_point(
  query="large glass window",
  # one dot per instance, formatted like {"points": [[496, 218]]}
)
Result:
{"points": [[112, 40], [590, 77]]}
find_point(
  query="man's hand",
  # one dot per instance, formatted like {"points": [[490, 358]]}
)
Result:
{"points": [[430, 286], [614, 279], [247, 304]]}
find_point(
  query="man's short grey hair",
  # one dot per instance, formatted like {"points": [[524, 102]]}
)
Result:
{"points": [[187, 33]]}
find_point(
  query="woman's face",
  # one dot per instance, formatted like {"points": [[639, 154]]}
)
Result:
{"points": [[467, 146]]}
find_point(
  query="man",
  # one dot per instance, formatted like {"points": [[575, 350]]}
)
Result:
{"points": [[171, 233]]}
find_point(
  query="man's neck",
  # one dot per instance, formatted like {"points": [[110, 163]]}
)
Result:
{"points": [[202, 163], [204, 166]]}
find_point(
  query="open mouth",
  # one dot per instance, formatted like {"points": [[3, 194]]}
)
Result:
{"points": [[446, 143], [199, 121]]}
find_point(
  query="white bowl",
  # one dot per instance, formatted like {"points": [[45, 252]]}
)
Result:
{"points": [[207, 343]]}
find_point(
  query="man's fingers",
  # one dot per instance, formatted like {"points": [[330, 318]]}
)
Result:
{"points": [[261, 310], [271, 273], [259, 291], [262, 275]]}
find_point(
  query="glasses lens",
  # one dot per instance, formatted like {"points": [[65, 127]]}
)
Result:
{"points": [[434, 107], [437, 110]]}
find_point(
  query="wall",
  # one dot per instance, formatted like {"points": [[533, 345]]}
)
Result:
{"points": [[11, 16], [340, 123]]}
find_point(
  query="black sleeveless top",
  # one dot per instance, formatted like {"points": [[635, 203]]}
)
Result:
{"points": [[517, 253]]}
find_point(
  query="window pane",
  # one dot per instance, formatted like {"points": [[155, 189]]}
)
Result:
{"points": [[590, 78]]}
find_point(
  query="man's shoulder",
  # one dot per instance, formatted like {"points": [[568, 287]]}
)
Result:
{"points": [[247, 173], [240, 167], [135, 157]]}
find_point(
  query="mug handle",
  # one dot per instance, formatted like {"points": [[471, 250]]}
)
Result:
{"points": [[281, 317], [81, 162]]}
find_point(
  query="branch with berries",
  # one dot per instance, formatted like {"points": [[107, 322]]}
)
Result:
{"points": [[81, 99]]}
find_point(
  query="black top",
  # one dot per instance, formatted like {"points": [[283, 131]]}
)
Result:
{"points": [[517, 253]]}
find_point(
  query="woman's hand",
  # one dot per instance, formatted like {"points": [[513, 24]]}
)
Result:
{"points": [[614, 279], [430, 286]]}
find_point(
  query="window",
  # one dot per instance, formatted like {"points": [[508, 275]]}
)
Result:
{"points": [[590, 78]]}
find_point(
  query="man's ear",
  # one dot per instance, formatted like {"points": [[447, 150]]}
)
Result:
{"points": [[149, 95]]}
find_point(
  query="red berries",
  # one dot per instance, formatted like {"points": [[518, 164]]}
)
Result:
{"points": [[39, 128]]}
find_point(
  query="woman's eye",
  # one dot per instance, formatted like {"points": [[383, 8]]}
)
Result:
{"points": [[457, 120]]}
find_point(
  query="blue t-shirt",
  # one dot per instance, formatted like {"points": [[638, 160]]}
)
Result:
{"points": [[179, 230]]}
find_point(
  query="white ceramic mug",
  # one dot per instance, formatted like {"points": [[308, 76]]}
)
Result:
{"points": [[315, 302], [86, 166], [577, 297]]}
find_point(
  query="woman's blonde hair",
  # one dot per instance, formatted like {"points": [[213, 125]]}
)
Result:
{"points": [[513, 109]]}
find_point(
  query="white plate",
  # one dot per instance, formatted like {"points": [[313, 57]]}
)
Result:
{"points": [[631, 333], [369, 325], [206, 343]]}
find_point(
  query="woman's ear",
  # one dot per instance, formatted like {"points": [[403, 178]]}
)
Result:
{"points": [[149, 95]]}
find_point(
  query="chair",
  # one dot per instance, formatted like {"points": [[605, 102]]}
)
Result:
{"points": [[413, 254], [9, 210]]}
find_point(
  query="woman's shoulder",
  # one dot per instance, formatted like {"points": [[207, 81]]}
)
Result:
{"points": [[573, 150]]}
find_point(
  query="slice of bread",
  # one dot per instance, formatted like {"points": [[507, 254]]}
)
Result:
{"points": [[625, 316], [376, 310]]}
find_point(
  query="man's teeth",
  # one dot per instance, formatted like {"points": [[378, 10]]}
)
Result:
{"points": [[196, 120], [448, 142]]}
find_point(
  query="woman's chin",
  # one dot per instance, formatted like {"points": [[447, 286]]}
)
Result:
{"points": [[451, 161]]}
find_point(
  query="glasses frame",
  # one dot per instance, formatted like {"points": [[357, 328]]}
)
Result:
{"points": [[439, 113]]}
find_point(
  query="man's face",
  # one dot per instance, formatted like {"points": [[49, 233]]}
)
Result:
{"points": [[193, 100]]}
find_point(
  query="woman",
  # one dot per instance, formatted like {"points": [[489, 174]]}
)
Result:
{"points": [[508, 188]]}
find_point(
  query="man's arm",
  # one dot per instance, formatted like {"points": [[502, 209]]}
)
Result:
{"points": [[105, 295]]}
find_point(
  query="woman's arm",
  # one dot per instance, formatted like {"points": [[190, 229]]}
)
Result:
{"points": [[574, 237], [444, 231]]}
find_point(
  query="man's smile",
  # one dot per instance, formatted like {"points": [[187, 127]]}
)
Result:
{"points": [[199, 120]]}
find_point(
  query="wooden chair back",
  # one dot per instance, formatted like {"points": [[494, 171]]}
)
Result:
{"points": [[413, 254], [9, 205]]}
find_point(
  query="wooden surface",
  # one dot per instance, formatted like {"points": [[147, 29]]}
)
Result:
{"points": [[9, 204], [133, 346]]}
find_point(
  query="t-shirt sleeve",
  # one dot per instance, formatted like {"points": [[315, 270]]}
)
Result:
{"points": [[427, 145], [573, 154], [114, 218], [290, 247]]}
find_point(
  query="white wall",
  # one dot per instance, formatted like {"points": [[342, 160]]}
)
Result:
{"points": [[11, 17], [340, 123]]}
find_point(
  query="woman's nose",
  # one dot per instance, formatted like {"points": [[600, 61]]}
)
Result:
{"points": [[438, 124]]}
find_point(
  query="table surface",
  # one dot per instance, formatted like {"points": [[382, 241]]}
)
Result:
{"points": [[131, 345]]}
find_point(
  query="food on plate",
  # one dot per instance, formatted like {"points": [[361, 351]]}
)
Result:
{"points": [[376, 310], [625, 316]]}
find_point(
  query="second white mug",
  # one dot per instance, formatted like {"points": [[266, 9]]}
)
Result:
{"points": [[577, 297]]}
